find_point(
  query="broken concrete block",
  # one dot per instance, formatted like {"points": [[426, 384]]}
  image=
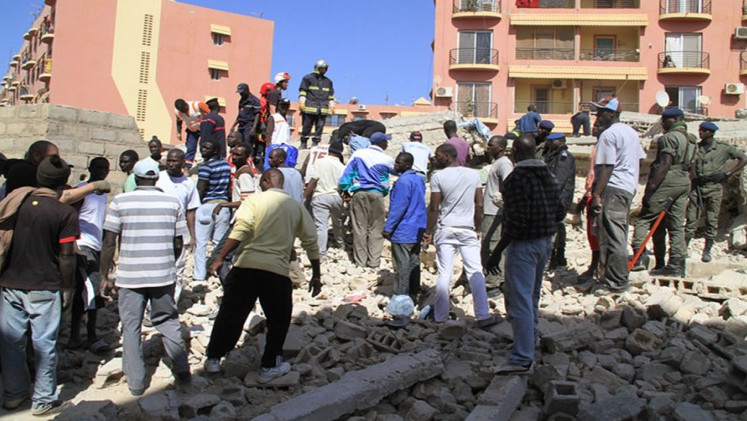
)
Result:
{"points": [[199, 404], [736, 407], [703, 335], [603, 377], [90, 411], [641, 341], [613, 408], [715, 395], [358, 390], [295, 341], [694, 362], [631, 318], [663, 303], [738, 372], [421, 410], [452, 329], [686, 411], [289, 380], [349, 331], [561, 396], [544, 374], [737, 325], [723, 286], [109, 373], [647, 372], [223, 411], [506, 393], [573, 338], [732, 307], [160, 405]]}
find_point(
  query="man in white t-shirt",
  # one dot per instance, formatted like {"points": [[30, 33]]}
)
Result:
{"points": [[456, 210], [616, 172], [422, 153], [326, 201], [91, 216], [173, 182]]}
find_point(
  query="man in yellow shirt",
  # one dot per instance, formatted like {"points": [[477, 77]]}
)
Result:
{"points": [[266, 226]]}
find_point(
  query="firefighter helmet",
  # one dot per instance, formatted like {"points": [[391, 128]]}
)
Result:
{"points": [[320, 64]]}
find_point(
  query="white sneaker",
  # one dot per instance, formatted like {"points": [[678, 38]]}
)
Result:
{"points": [[281, 368], [212, 365]]}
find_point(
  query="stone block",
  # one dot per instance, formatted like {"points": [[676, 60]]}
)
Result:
{"points": [[90, 411], [641, 341], [122, 121], [603, 377], [160, 405], [291, 379], [723, 286], [686, 411], [619, 407], [505, 394], [651, 371], [733, 307], [349, 331], [421, 410], [631, 318], [17, 128], [703, 335], [452, 329], [62, 113], [103, 133], [109, 373], [91, 148], [715, 395], [199, 404], [737, 325], [223, 411], [694, 362], [561, 396], [573, 338], [738, 372], [736, 407], [94, 118], [129, 137], [294, 341], [663, 303]]}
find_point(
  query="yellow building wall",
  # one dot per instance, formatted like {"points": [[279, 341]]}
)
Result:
{"points": [[627, 38]]}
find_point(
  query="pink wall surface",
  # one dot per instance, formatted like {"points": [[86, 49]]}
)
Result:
{"points": [[82, 53], [186, 44]]}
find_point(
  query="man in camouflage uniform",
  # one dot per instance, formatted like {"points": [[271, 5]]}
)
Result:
{"points": [[707, 191], [667, 189]]}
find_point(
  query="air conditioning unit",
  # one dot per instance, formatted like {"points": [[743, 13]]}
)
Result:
{"points": [[734, 88], [558, 83], [740, 32], [361, 107], [444, 92]]}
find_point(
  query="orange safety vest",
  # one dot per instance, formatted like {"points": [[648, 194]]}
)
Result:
{"points": [[193, 117]]}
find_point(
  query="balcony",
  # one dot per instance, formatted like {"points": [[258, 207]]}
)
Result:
{"points": [[468, 9], [684, 62], [685, 10], [625, 106], [743, 63], [523, 53], [47, 74], [28, 64], [473, 59], [27, 36], [47, 38], [33, 31], [13, 63], [545, 107], [548, 4], [485, 111], [618, 54], [610, 4]]}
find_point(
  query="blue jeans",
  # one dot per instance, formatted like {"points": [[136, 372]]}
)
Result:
{"points": [[525, 267], [40, 311], [192, 138], [207, 229]]}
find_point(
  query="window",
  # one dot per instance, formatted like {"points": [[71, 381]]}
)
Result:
{"points": [[473, 100], [604, 46], [685, 97], [683, 6], [475, 47], [334, 120], [544, 44], [215, 74], [684, 49], [217, 39]]}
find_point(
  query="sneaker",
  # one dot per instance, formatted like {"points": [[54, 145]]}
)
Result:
{"points": [[49, 408], [212, 365], [281, 368], [510, 368], [492, 320], [11, 404]]}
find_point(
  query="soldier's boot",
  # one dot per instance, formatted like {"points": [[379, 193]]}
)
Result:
{"points": [[707, 251], [560, 258], [592, 270], [304, 142], [661, 259], [642, 262], [315, 140], [675, 268]]}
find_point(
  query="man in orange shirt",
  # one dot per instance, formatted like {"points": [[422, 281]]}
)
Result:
{"points": [[191, 113]]}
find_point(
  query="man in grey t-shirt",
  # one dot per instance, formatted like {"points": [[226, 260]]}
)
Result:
{"points": [[492, 219], [293, 184], [456, 209]]}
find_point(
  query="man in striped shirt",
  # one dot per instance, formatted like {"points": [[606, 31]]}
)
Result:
{"points": [[151, 226]]}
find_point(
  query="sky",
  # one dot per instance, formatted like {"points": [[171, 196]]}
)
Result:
{"points": [[378, 50]]}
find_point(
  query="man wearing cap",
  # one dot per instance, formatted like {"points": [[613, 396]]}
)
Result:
{"points": [[213, 125], [276, 94], [616, 171], [366, 179], [316, 100], [326, 202], [249, 107], [191, 114], [37, 284], [543, 130], [666, 190], [705, 197], [528, 123], [421, 153], [461, 145], [561, 163], [150, 225]]}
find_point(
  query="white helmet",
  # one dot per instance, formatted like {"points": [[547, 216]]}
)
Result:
{"points": [[319, 64], [281, 77]]}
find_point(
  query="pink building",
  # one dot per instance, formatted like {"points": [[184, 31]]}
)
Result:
{"points": [[136, 57], [493, 58]]}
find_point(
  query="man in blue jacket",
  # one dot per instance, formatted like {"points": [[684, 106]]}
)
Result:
{"points": [[405, 225]]}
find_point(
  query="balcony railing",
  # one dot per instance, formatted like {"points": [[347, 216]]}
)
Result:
{"points": [[549, 4], [601, 54], [476, 6], [744, 7], [476, 109], [684, 59], [544, 53], [743, 62], [473, 56], [684, 6], [610, 4], [625, 106], [545, 107]]}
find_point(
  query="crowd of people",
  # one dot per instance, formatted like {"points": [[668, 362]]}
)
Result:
{"points": [[64, 247]]}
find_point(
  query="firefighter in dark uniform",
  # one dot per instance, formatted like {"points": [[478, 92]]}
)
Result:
{"points": [[563, 166], [705, 197], [667, 189], [316, 98]]}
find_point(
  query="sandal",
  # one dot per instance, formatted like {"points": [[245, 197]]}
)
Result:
{"points": [[98, 347]]}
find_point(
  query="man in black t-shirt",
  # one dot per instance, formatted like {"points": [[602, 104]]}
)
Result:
{"points": [[23, 173], [40, 265], [276, 94]]}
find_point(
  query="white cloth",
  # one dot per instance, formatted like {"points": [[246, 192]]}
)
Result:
{"points": [[316, 153], [448, 241], [493, 199], [293, 183], [422, 154], [457, 186], [619, 146], [327, 171], [281, 132], [91, 217]]}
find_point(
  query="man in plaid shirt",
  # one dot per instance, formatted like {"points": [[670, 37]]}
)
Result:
{"points": [[532, 209]]}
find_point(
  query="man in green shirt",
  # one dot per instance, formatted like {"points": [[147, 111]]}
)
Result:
{"points": [[705, 197], [667, 188]]}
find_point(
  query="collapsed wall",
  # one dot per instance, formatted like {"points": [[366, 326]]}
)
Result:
{"points": [[80, 134]]}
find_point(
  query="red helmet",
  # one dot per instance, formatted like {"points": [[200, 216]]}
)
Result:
{"points": [[266, 87]]}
